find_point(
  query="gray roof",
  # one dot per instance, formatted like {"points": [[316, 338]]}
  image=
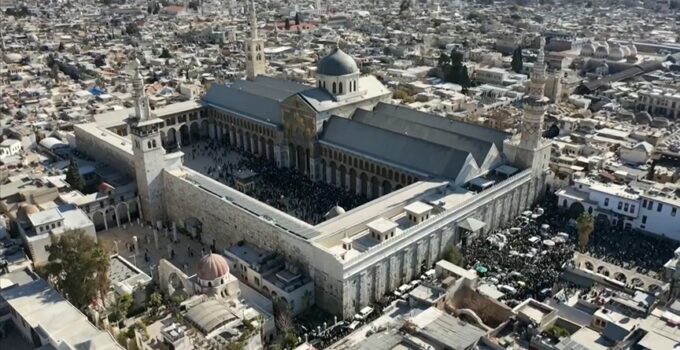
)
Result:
{"points": [[244, 102], [451, 332], [337, 63], [259, 99], [210, 315], [403, 151], [468, 130], [39, 305], [477, 147]]}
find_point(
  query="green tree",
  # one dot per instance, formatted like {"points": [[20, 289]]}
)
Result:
{"points": [[585, 224], [73, 176], [154, 303], [76, 264], [517, 60], [297, 18], [454, 256], [61, 47], [287, 24], [118, 310]]}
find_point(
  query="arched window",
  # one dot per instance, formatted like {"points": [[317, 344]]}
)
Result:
{"points": [[257, 48], [148, 144], [340, 88], [153, 142], [259, 57], [334, 90], [355, 85], [324, 84]]}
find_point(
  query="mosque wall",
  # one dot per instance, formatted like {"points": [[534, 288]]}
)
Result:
{"points": [[226, 224], [373, 274], [101, 144]]}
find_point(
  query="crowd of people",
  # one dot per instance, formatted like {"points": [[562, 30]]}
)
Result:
{"points": [[643, 253], [282, 188], [524, 259]]}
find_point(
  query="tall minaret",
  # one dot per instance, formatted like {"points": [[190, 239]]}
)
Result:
{"points": [[533, 151], [147, 150], [140, 100], [535, 104], [255, 64]]}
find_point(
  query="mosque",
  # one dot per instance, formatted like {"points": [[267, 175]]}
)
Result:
{"points": [[432, 182]]}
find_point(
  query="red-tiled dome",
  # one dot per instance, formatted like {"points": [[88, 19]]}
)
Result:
{"points": [[212, 267]]}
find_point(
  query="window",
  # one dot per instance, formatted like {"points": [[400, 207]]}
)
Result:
{"points": [[659, 207], [334, 88], [620, 205], [632, 208], [340, 88], [644, 203], [606, 202], [649, 205], [644, 219], [674, 211], [625, 207]]}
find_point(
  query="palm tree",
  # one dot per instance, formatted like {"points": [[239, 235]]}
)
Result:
{"points": [[585, 225]]}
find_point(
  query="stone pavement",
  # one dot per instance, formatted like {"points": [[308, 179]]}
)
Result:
{"points": [[120, 240]]}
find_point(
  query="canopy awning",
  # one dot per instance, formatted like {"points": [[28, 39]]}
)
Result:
{"points": [[472, 224]]}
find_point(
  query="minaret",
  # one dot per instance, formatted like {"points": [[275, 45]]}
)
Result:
{"points": [[147, 150], [255, 64], [535, 104], [533, 151], [140, 100]]}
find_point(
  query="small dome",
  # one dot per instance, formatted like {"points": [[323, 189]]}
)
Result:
{"points": [[335, 211], [626, 51], [337, 63], [602, 51], [212, 267], [633, 50], [616, 53], [588, 50]]}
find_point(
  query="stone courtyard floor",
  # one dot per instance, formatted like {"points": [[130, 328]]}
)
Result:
{"points": [[120, 240]]}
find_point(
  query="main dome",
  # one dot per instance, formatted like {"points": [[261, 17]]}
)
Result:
{"points": [[212, 267], [337, 63]]}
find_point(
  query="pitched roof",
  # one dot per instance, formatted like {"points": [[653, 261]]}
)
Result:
{"points": [[477, 147], [473, 131], [403, 151], [246, 102]]}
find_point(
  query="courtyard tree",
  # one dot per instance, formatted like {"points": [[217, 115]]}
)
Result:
{"points": [[287, 24], [154, 303], [297, 18], [119, 309], [73, 176], [76, 267], [585, 225], [517, 60]]}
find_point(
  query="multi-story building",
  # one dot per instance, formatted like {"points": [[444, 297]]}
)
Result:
{"points": [[659, 102], [641, 206]]}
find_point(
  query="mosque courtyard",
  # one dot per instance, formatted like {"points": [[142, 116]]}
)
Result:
{"points": [[282, 188]]}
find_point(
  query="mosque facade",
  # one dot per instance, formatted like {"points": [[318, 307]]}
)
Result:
{"points": [[433, 182]]}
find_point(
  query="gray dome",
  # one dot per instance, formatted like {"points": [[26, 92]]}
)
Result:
{"points": [[337, 63]]}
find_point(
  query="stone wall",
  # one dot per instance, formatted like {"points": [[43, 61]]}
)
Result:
{"points": [[100, 144], [227, 224], [374, 274]]}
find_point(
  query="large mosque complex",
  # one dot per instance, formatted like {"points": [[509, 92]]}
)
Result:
{"points": [[432, 182]]}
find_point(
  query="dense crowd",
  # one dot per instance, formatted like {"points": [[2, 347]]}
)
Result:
{"points": [[282, 188], [643, 253], [524, 259]]}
